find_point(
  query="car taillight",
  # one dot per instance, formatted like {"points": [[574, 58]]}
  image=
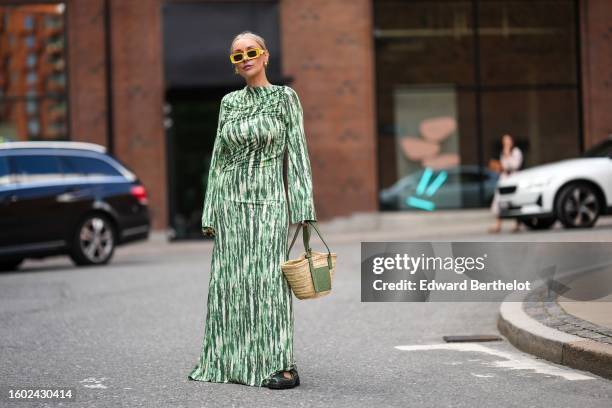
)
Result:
{"points": [[140, 193]]}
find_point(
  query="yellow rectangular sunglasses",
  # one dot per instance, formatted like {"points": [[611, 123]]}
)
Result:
{"points": [[245, 56]]}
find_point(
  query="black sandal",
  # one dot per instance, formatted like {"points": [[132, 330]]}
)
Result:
{"points": [[295, 375], [278, 381]]}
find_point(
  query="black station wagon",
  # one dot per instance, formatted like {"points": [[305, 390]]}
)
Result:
{"points": [[69, 198]]}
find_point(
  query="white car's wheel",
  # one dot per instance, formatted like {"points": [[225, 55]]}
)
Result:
{"points": [[578, 205]]}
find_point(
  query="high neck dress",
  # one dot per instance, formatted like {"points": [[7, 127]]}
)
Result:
{"points": [[248, 333]]}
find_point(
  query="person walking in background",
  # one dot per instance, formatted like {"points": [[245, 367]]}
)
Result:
{"points": [[510, 160], [248, 336]]}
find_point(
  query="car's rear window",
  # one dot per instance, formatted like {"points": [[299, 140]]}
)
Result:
{"points": [[36, 168], [603, 149], [88, 166]]}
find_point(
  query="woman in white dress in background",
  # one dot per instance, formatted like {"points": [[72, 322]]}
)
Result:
{"points": [[510, 160]]}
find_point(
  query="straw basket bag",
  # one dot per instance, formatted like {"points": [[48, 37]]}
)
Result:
{"points": [[310, 276]]}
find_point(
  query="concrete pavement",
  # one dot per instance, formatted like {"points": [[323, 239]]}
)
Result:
{"points": [[127, 334]]}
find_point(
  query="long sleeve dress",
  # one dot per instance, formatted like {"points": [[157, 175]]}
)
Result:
{"points": [[248, 333]]}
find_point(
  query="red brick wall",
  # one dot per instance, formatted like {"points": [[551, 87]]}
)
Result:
{"points": [[86, 71], [138, 93], [596, 43], [328, 48]]}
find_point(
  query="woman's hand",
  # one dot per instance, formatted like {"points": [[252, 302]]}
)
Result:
{"points": [[209, 231], [495, 165]]}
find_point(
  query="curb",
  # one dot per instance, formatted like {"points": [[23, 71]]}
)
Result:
{"points": [[531, 336]]}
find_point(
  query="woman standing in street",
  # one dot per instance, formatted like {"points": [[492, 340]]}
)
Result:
{"points": [[510, 160], [248, 333]]}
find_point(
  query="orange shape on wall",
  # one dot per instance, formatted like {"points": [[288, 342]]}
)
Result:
{"points": [[417, 149], [438, 129]]}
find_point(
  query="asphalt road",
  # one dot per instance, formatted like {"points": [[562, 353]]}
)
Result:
{"points": [[127, 334]]}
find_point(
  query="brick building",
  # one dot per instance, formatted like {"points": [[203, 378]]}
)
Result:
{"points": [[388, 87]]}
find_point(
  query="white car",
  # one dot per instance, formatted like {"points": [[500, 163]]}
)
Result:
{"points": [[575, 191]]}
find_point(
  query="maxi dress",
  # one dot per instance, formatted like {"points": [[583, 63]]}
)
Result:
{"points": [[248, 332]]}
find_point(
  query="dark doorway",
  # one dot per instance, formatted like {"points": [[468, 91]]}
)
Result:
{"points": [[198, 73]]}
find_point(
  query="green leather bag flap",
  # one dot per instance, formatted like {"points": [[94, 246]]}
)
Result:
{"points": [[321, 278]]}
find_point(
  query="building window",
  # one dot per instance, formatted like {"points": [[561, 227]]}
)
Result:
{"points": [[33, 89], [453, 77]]}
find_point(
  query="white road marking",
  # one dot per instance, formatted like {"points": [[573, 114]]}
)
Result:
{"points": [[482, 375], [512, 361], [92, 382]]}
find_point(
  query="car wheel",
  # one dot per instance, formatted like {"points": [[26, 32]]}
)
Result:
{"points": [[539, 223], [578, 206], [94, 241], [10, 264]]}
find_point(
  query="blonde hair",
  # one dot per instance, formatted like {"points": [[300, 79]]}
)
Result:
{"points": [[252, 35]]}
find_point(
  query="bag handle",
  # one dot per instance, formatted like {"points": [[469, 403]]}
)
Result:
{"points": [[293, 241], [306, 239]]}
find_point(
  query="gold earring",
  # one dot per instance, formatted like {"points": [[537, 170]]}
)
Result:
{"points": [[236, 71], [266, 63]]}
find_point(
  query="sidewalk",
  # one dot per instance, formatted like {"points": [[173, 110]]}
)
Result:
{"points": [[574, 333], [442, 225]]}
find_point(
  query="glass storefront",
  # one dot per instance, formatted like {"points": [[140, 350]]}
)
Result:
{"points": [[453, 77], [33, 72]]}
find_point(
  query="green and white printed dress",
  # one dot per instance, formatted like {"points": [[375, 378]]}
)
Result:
{"points": [[248, 334]]}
